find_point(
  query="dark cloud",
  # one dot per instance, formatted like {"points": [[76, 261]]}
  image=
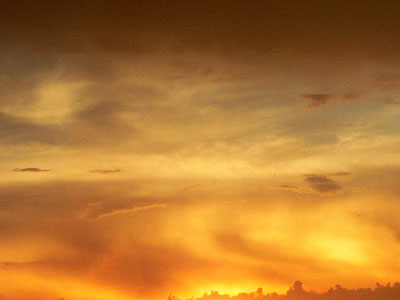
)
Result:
{"points": [[322, 99], [341, 174], [235, 27], [34, 170], [286, 186], [19, 131], [20, 69], [317, 99], [322, 183]]}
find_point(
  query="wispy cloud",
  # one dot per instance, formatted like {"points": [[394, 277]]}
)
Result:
{"points": [[98, 210], [316, 100], [33, 170], [341, 174], [287, 187]]}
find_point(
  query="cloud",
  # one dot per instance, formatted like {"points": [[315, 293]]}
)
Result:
{"points": [[34, 170], [176, 25], [98, 210], [390, 101], [386, 81], [105, 171], [317, 99], [341, 174], [322, 99], [321, 183], [16, 130], [286, 186], [104, 115]]}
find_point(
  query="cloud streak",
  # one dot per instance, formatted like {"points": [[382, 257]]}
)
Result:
{"points": [[32, 170], [317, 100], [99, 210]]}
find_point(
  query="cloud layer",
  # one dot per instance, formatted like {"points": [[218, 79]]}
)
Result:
{"points": [[188, 146]]}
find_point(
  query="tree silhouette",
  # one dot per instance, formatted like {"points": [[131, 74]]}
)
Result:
{"points": [[296, 292]]}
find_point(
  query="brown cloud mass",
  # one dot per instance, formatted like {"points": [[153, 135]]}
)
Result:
{"points": [[34, 170], [228, 27], [322, 183]]}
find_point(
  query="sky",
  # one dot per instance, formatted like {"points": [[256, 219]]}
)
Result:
{"points": [[156, 148]]}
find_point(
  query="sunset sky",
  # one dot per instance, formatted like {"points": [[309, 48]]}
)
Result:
{"points": [[178, 146]]}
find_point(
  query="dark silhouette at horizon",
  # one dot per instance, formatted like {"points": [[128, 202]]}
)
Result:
{"points": [[297, 292]]}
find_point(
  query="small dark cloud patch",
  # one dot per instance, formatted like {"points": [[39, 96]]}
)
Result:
{"points": [[321, 183], [341, 174], [318, 99], [105, 171], [286, 186], [33, 170]]}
